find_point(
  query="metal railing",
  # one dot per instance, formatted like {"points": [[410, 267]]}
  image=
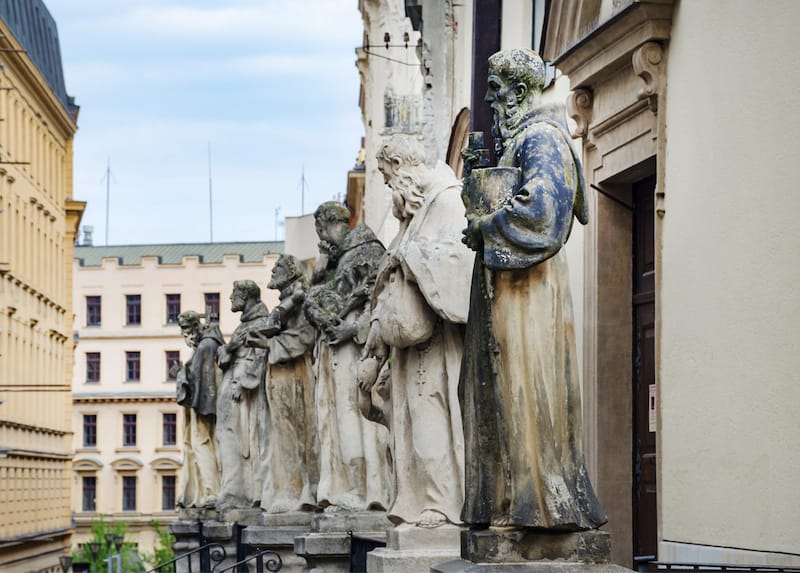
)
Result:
{"points": [[273, 562], [206, 553]]}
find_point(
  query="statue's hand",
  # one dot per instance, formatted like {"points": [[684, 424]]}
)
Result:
{"points": [[367, 373], [257, 340], [473, 236], [375, 347], [341, 332]]}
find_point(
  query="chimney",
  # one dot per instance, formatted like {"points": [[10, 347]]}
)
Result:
{"points": [[87, 236]]}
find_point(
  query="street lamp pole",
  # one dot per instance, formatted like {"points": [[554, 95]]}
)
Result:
{"points": [[118, 539], [94, 548], [109, 551]]}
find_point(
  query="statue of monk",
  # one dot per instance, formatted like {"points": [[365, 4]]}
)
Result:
{"points": [[197, 393], [354, 460], [419, 308], [291, 476], [241, 405], [520, 376]]}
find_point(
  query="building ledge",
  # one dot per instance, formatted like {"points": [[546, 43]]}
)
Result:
{"points": [[34, 536]]}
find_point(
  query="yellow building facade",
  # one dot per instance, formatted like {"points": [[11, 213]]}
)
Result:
{"points": [[128, 428], [38, 225]]}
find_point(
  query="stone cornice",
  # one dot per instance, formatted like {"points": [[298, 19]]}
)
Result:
{"points": [[121, 397], [30, 428], [8, 275], [35, 454], [610, 46], [27, 71]]}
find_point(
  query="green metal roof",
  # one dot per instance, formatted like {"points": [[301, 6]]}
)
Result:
{"points": [[173, 254]]}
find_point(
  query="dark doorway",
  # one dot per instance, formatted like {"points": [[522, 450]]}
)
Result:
{"points": [[645, 535]]}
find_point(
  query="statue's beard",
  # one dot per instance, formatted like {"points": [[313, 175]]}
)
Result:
{"points": [[507, 116], [407, 197], [279, 284]]}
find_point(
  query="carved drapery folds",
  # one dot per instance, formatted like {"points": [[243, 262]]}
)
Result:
{"points": [[579, 108], [649, 64]]}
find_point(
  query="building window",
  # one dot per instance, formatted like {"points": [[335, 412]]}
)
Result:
{"points": [[212, 306], [89, 430], [173, 363], [132, 366], [133, 308], [170, 429], [89, 493], [93, 367], [128, 493], [129, 429], [93, 307], [168, 493], [173, 308]]}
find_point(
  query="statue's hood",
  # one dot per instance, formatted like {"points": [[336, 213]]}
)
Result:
{"points": [[358, 235]]}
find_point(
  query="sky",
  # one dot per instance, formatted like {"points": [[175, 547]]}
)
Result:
{"points": [[271, 85]]}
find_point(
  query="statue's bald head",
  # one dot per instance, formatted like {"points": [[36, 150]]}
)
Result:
{"points": [[519, 65]]}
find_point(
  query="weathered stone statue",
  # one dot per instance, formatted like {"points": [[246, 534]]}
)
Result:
{"points": [[291, 474], [353, 452], [419, 308], [241, 406], [520, 375], [197, 393]]}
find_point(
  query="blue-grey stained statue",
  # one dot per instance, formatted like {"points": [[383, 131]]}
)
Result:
{"points": [[520, 381]]}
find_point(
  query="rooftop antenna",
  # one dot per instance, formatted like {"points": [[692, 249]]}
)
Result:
{"points": [[303, 189], [210, 200], [108, 176], [277, 212]]}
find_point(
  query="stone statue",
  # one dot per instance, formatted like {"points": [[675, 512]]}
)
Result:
{"points": [[291, 474], [197, 393], [241, 406], [419, 308], [353, 452], [520, 375]]}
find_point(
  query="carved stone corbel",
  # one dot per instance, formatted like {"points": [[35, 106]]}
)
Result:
{"points": [[648, 63], [579, 108]]}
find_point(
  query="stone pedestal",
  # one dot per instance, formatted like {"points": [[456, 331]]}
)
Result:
{"points": [[224, 533], [507, 550], [461, 566], [326, 548], [187, 538], [412, 548], [277, 532]]}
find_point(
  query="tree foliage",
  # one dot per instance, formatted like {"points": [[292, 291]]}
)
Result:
{"points": [[162, 552], [131, 562]]}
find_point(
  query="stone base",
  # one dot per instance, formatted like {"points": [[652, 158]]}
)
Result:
{"points": [[356, 521], [249, 516], [461, 566], [326, 548], [412, 548], [518, 546], [277, 538], [198, 514], [290, 518]]}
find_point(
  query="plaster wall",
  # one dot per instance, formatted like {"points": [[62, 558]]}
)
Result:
{"points": [[394, 70], [150, 397], [38, 222], [301, 237], [729, 383]]}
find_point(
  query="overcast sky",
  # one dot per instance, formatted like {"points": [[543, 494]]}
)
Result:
{"points": [[271, 84]]}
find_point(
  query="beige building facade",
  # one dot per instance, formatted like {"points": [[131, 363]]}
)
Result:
{"points": [[38, 223], [128, 429], [686, 114]]}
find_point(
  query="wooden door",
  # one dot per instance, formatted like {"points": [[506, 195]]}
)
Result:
{"points": [[644, 436]]}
